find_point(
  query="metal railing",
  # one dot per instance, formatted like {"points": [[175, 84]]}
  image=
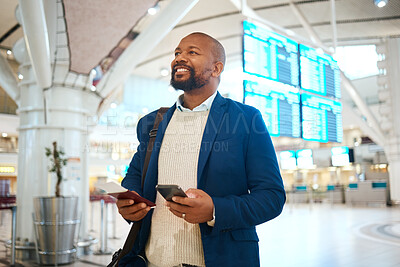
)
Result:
{"points": [[7, 105]]}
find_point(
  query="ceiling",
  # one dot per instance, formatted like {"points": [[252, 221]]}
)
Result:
{"points": [[357, 22]]}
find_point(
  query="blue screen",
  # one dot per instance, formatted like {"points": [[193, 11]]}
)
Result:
{"points": [[340, 156], [304, 159], [287, 160], [270, 55], [275, 68], [319, 73], [279, 106], [339, 150], [321, 119]]}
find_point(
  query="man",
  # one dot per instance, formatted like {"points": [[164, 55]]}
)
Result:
{"points": [[220, 152]]}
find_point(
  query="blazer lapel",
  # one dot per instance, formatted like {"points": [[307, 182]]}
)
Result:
{"points": [[152, 171], [217, 112]]}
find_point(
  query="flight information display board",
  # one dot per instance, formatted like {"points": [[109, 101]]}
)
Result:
{"points": [[340, 156], [279, 106], [319, 73], [288, 160], [275, 68], [321, 119], [270, 55], [305, 159]]}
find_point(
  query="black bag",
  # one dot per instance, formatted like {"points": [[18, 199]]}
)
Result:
{"points": [[130, 240]]}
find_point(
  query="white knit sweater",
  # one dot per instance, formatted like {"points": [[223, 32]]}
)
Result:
{"points": [[172, 240]]}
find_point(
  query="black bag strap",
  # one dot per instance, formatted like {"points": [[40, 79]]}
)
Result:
{"points": [[152, 134], [130, 240]]}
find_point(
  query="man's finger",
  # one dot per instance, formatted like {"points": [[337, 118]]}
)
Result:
{"points": [[132, 208], [188, 217], [176, 213], [195, 193], [183, 200], [141, 213], [124, 202], [136, 216], [178, 207]]}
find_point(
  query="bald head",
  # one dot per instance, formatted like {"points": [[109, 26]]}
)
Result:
{"points": [[217, 49], [198, 64]]}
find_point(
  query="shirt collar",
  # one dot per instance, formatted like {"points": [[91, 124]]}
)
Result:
{"points": [[206, 105]]}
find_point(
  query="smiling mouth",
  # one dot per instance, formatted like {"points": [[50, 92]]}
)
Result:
{"points": [[181, 70]]}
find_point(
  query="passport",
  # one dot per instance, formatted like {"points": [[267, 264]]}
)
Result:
{"points": [[119, 192]]}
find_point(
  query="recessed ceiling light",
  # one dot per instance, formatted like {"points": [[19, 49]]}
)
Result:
{"points": [[289, 32], [9, 52], [113, 105], [93, 88], [164, 72], [4, 134], [381, 3], [115, 156], [20, 76], [153, 10]]}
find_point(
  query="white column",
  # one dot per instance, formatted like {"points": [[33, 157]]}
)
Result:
{"points": [[389, 94], [36, 36], [62, 119], [392, 150], [59, 113]]}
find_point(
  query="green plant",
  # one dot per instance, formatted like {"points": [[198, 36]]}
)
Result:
{"points": [[58, 161]]}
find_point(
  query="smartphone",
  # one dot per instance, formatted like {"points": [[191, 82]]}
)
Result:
{"points": [[170, 190]]}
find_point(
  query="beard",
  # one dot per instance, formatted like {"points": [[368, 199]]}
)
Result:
{"points": [[191, 83]]}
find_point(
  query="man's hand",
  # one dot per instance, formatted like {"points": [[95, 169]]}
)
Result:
{"points": [[131, 211], [198, 207]]}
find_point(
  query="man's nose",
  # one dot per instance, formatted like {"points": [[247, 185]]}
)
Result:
{"points": [[180, 58]]}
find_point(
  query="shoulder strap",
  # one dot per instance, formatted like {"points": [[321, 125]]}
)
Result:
{"points": [[152, 134], [130, 240]]}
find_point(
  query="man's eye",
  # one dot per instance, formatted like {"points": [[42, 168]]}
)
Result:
{"points": [[177, 53], [193, 53]]}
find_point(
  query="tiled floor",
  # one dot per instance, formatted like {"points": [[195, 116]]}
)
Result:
{"points": [[326, 236], [319, 235]]}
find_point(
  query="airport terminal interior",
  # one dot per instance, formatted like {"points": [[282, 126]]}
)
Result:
{"points": [[76, 77]]}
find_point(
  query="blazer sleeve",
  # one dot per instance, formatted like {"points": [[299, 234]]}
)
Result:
{"points": [[266, 195], [133, 177]]}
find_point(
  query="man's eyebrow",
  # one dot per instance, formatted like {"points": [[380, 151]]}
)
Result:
{"points": [[194, 47], [190, 47]]}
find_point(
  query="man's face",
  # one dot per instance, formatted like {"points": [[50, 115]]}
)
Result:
{"points": [[193, 63]]}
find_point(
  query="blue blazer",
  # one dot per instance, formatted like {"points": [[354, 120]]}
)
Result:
{"points": [[237, 167]]}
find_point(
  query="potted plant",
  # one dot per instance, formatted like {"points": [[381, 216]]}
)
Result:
{"points": [[56, 217], [58, 161]]}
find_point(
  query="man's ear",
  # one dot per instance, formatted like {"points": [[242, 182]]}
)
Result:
{"points": [[218, 68]]}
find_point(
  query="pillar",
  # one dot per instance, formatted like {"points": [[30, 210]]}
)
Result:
{"points": [[389, 95], [59, 113]]}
